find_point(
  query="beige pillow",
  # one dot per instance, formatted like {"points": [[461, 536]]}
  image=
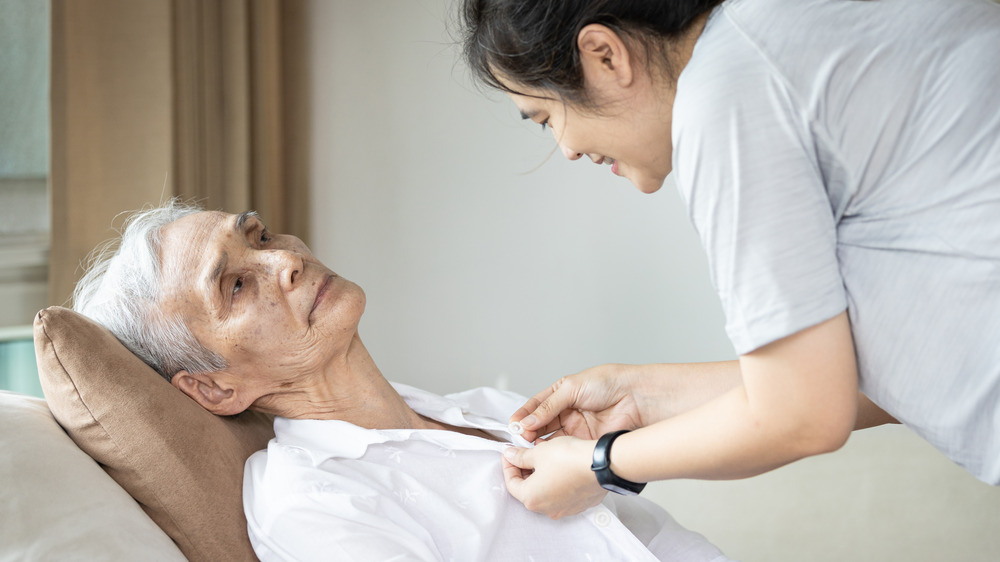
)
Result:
{"points": [[182, 464], [57, 504]]}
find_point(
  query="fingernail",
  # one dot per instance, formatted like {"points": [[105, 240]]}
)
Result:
{"points": [[509, 453], [529, 421]]}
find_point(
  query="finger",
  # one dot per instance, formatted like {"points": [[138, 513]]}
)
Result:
{"points": [[521, 458], [550, 435], [549, 428], [562, 397], [529, 407], [532, 404], [514, 479], [512, 472], [553, 427]]}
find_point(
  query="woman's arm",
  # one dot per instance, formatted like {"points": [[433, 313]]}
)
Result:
{"points": [[617, 396], [799, 398], [679, 387], [870, 415]]}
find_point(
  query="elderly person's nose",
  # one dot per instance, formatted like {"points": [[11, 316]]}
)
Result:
{"points": [[288, 265]]}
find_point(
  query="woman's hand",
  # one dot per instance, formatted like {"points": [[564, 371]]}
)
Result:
{"points": [[585, 405], [554, 478], [612, 397]]}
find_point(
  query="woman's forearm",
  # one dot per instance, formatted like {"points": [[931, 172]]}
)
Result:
{"points": [[722, 439], [666, 390], [799, 398]]}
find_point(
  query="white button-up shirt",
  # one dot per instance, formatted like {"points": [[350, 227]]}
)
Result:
{"points": [[330, 490]]}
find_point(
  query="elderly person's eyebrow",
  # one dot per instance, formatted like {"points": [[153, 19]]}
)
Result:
{"points": [[241, 219]]}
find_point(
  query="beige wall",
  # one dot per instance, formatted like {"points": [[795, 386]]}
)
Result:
{"points": [[480, 269]]}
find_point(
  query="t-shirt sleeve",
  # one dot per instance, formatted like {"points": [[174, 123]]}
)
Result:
{"points": [[746, 164]]}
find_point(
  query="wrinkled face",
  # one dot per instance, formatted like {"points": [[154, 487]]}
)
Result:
{"points": [[630, 132], [260, 300]]}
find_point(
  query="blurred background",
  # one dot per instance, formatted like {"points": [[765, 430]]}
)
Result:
{"points": [[487, 258]]}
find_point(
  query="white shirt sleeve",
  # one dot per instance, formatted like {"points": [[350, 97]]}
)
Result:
{"points": [[746, 164]]}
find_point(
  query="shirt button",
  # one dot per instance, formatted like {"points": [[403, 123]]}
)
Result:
{"points": [[602, 518], [515, 428]]}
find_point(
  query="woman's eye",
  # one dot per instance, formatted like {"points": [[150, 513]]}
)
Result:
{"points": [[265, 237], [238, 285], [545, 124]]}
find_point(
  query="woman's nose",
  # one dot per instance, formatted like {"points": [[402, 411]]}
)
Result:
{"points": [[570, 153]]}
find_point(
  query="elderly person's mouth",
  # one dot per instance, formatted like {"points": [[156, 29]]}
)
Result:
{"points": [[323, 289]]}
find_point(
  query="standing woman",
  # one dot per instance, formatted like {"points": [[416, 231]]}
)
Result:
{"points": [[840, 160]]}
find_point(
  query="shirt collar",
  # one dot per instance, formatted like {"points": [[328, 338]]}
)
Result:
{"points": [[339, 439]]}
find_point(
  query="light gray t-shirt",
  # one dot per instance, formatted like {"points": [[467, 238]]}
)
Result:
{"points": [[846, 154]]}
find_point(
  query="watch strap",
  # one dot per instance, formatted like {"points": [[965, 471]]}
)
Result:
{"points": [[602, 467]]}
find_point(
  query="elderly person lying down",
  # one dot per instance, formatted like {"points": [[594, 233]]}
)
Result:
{"points": [[237, 317]]}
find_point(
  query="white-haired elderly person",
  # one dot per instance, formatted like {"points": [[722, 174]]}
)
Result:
{"points": [[238, 317]]}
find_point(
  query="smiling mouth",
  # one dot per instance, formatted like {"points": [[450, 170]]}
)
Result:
{"points": [[609, 161]]}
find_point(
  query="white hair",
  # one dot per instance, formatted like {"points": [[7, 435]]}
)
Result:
{"points": [[121, 291]]}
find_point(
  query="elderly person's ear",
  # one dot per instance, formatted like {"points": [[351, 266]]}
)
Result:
{"points": [[206, 390]]}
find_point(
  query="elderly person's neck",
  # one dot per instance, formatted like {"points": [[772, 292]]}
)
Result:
{"points": [[350, 388]]}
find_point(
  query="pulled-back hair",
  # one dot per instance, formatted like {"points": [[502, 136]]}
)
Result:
{"points": [[533, 42], [121, 289]]}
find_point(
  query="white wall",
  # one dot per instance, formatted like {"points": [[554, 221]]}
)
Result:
{"points": [[475, 265], [481, 269]]}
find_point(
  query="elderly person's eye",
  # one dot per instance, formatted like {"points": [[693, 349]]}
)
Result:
{"points": [[265, 237], [238, 285]]}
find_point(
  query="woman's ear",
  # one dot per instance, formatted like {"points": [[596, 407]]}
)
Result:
{"points": [[207, 390], [604, 57]]}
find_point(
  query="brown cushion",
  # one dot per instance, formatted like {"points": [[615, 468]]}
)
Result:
{"points": [[182, 464]]}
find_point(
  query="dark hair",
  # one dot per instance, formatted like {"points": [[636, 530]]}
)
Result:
{"points": [[533, 42]]}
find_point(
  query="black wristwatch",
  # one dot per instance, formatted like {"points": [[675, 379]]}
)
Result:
{"points": [[602, 468]]}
